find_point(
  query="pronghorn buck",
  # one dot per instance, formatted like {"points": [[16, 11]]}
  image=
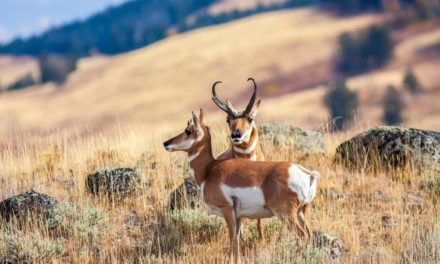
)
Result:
{"points": [[244, 134], [239, 188]]}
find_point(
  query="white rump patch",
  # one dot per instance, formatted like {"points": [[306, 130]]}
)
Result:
{"points": [[303, 184], [250, 201]]}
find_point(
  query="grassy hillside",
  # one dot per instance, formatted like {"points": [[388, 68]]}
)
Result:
{"points": [[12, 68], [143, 86]]}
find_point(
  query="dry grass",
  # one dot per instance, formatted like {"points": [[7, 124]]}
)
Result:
{"points": [[141, 229], [113, 109]]}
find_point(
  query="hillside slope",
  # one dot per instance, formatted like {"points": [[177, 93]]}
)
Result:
{"points": [[159, 85], [172, 76]]}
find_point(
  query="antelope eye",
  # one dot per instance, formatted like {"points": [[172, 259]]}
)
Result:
{"points": [[250, 120], [187, 132]]}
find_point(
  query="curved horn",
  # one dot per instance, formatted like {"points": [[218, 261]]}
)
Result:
{"points": [[252, 101], [219, 102]]}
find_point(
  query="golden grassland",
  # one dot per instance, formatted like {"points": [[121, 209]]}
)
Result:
{"points": [[143, 86], [113, 109], [141, 229], [12, 68], [292, 65]]}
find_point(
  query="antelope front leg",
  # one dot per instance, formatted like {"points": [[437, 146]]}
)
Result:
{"points": [[231, 221], [260, 230]]}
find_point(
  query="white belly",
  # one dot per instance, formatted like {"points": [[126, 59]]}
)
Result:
{"points": [[250, 201]]}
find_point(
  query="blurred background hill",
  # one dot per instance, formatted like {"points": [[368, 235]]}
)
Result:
{"points": [[151, 62]]}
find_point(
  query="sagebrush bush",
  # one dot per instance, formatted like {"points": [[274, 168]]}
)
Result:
{"points": [[197, 224], [86, 225], [28, 248]]}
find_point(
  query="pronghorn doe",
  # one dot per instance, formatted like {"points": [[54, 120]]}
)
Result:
{"points": [[238, 188], [244, 134]]}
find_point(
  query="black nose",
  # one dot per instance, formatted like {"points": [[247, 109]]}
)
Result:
{"points": [[166, 143], [236, 134]]}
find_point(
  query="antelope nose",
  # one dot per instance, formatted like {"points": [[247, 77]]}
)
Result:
{"points": [[236, 134], [166, 144]]}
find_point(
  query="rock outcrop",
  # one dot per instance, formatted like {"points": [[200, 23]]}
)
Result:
{"points": [[389, 147], [293, 138], [114, 183], [27, 204]]}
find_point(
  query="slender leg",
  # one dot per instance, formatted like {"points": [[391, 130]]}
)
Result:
{"points": [[292, 223], [302, 221], [229, 215], [260, 230], [237, 239]]}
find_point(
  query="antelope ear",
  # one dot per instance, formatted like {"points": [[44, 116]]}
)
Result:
{"points": [[254, 111], [202, 121], [196, 123]]}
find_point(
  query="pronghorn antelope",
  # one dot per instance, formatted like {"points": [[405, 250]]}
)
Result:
{"points": [[244, 134], [239, 188]]}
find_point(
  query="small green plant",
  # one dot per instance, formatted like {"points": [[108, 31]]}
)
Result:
{"points": [[28, 248], [87, 225], [287, 250], [198, 224]]}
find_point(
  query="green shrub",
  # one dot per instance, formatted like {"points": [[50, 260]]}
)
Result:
{"points": [[287, 250], [171, 231], [197, 224], [86, 225], [28, 248]]}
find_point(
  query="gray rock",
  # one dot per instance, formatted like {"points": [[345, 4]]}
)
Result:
{"points": [[334, 245], [115, 183], [389, 147], [188, 194], [26, 204], [290, 137]]}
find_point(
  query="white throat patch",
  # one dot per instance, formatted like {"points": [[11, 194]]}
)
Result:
{"points": [[248, 150], [193, 156]]}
